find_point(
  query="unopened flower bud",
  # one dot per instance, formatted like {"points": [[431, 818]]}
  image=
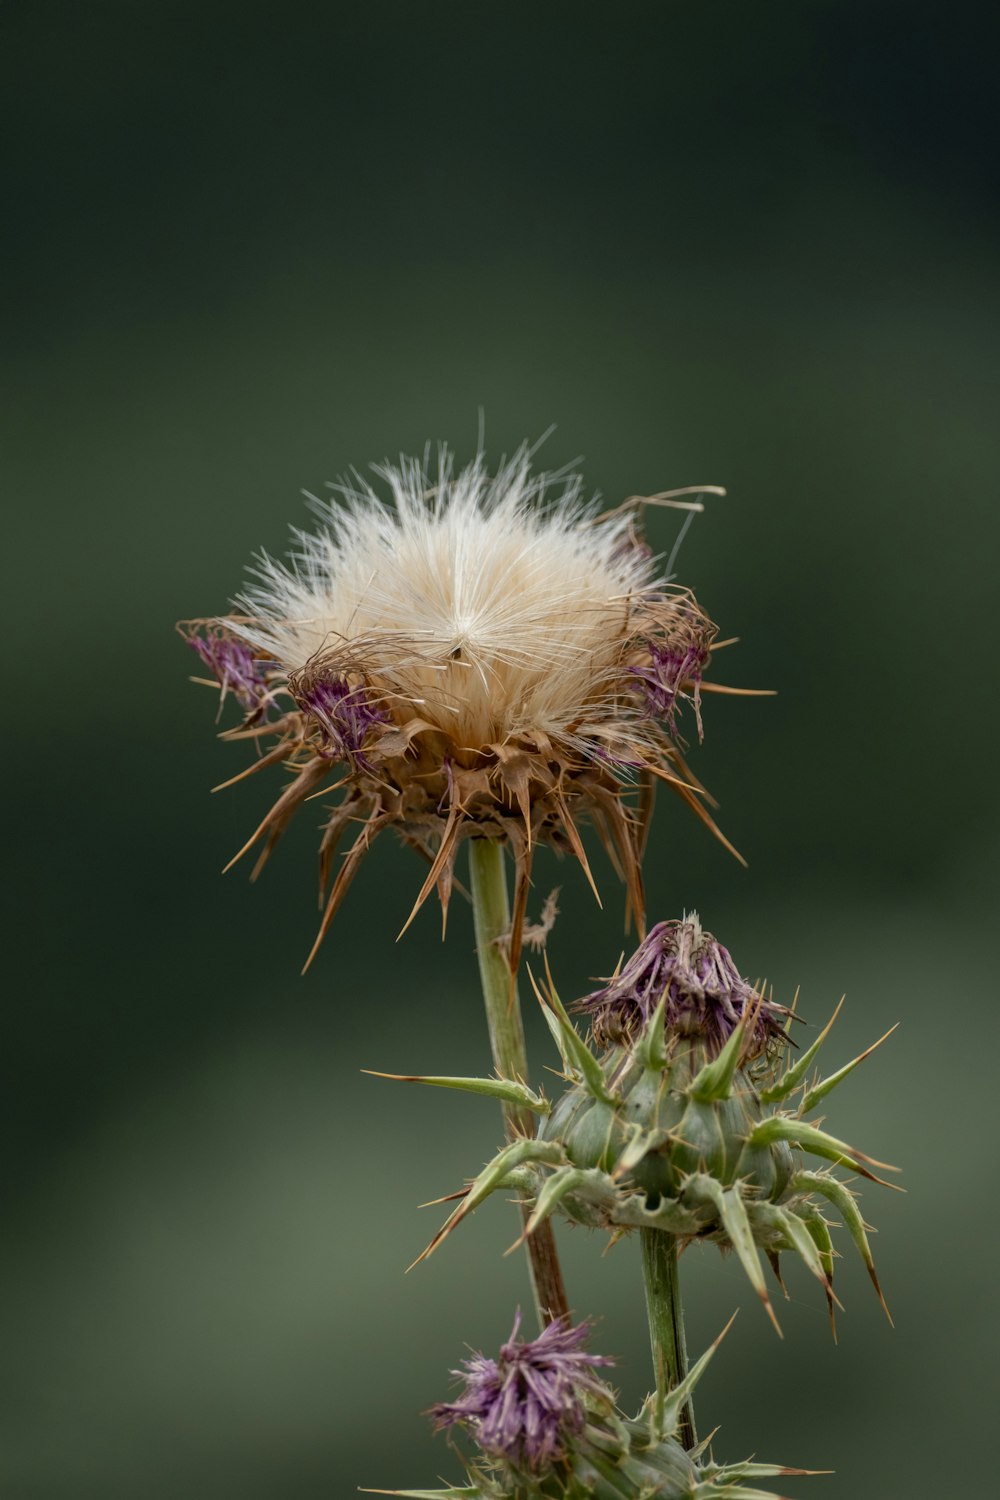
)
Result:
{"points": [[691, 1122]]}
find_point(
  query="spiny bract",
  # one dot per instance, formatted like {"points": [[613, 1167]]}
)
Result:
{"points": [[692, 1128]]}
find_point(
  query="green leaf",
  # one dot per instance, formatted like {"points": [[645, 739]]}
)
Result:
{"points": [[819, 1233], [670, 1216], [553, 1023]]}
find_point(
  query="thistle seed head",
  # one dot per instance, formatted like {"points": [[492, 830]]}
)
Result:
{"points": [[478, 656], [493, 607]]}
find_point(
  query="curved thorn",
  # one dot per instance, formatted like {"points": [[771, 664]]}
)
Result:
{"points": [[707, 686], [774, 1261], [352, 863], [843, 1200], [448, 840], [676, 1399], [732, 1211], [794, 1075], [576, 844], [279, 814], [809, 1138], [700, 812], [820, 1090], [490, 1088], [488, 1180], [280, 752]]}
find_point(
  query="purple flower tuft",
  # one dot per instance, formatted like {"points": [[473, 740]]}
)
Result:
{"points": [[344, 714], [526, 1406], [704, 991], [234, 666], [674, 672]]}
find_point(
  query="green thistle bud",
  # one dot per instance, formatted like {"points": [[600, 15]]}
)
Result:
{"points": [[689, 1123], [545, 1425]]}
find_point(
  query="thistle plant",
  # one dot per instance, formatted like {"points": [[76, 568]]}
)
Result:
{"points": [[691, 1125], [545, 1424], [495, 660]]}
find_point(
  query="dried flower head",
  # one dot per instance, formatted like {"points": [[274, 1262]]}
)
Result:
{"points": [[704, 993], [525, 1407], [487, 656], [235, 668]]}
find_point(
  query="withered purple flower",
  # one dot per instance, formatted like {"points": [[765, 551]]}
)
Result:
{"points": [[672, 673], [345, 715], [703, 990], [526, 1406], [236, 668]]}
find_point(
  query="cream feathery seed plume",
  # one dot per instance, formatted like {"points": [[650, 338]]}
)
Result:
{"points": [[479, 656], [487, 602]]}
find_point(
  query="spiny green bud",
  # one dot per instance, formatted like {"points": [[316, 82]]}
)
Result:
{"points": [[544, 1424], [687, 1123]]}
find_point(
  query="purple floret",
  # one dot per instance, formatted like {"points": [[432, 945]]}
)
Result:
{"points": [[345, 715], [526, 1406], [235, 668], [705, 993], [662, 682]]}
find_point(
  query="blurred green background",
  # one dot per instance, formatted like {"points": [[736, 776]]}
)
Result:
{"points": [[248, 245]]}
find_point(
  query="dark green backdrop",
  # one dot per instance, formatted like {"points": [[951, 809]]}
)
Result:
{"points": [[247, 245]]}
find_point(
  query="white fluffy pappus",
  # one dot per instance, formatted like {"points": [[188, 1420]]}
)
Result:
{"points": [[494, 605]]}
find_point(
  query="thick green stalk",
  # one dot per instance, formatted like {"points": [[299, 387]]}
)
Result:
{"points": [[491, 910], [666, 1320]]}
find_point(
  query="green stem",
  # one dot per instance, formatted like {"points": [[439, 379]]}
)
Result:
{"points": [[491, 910], [666, 1320]]}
